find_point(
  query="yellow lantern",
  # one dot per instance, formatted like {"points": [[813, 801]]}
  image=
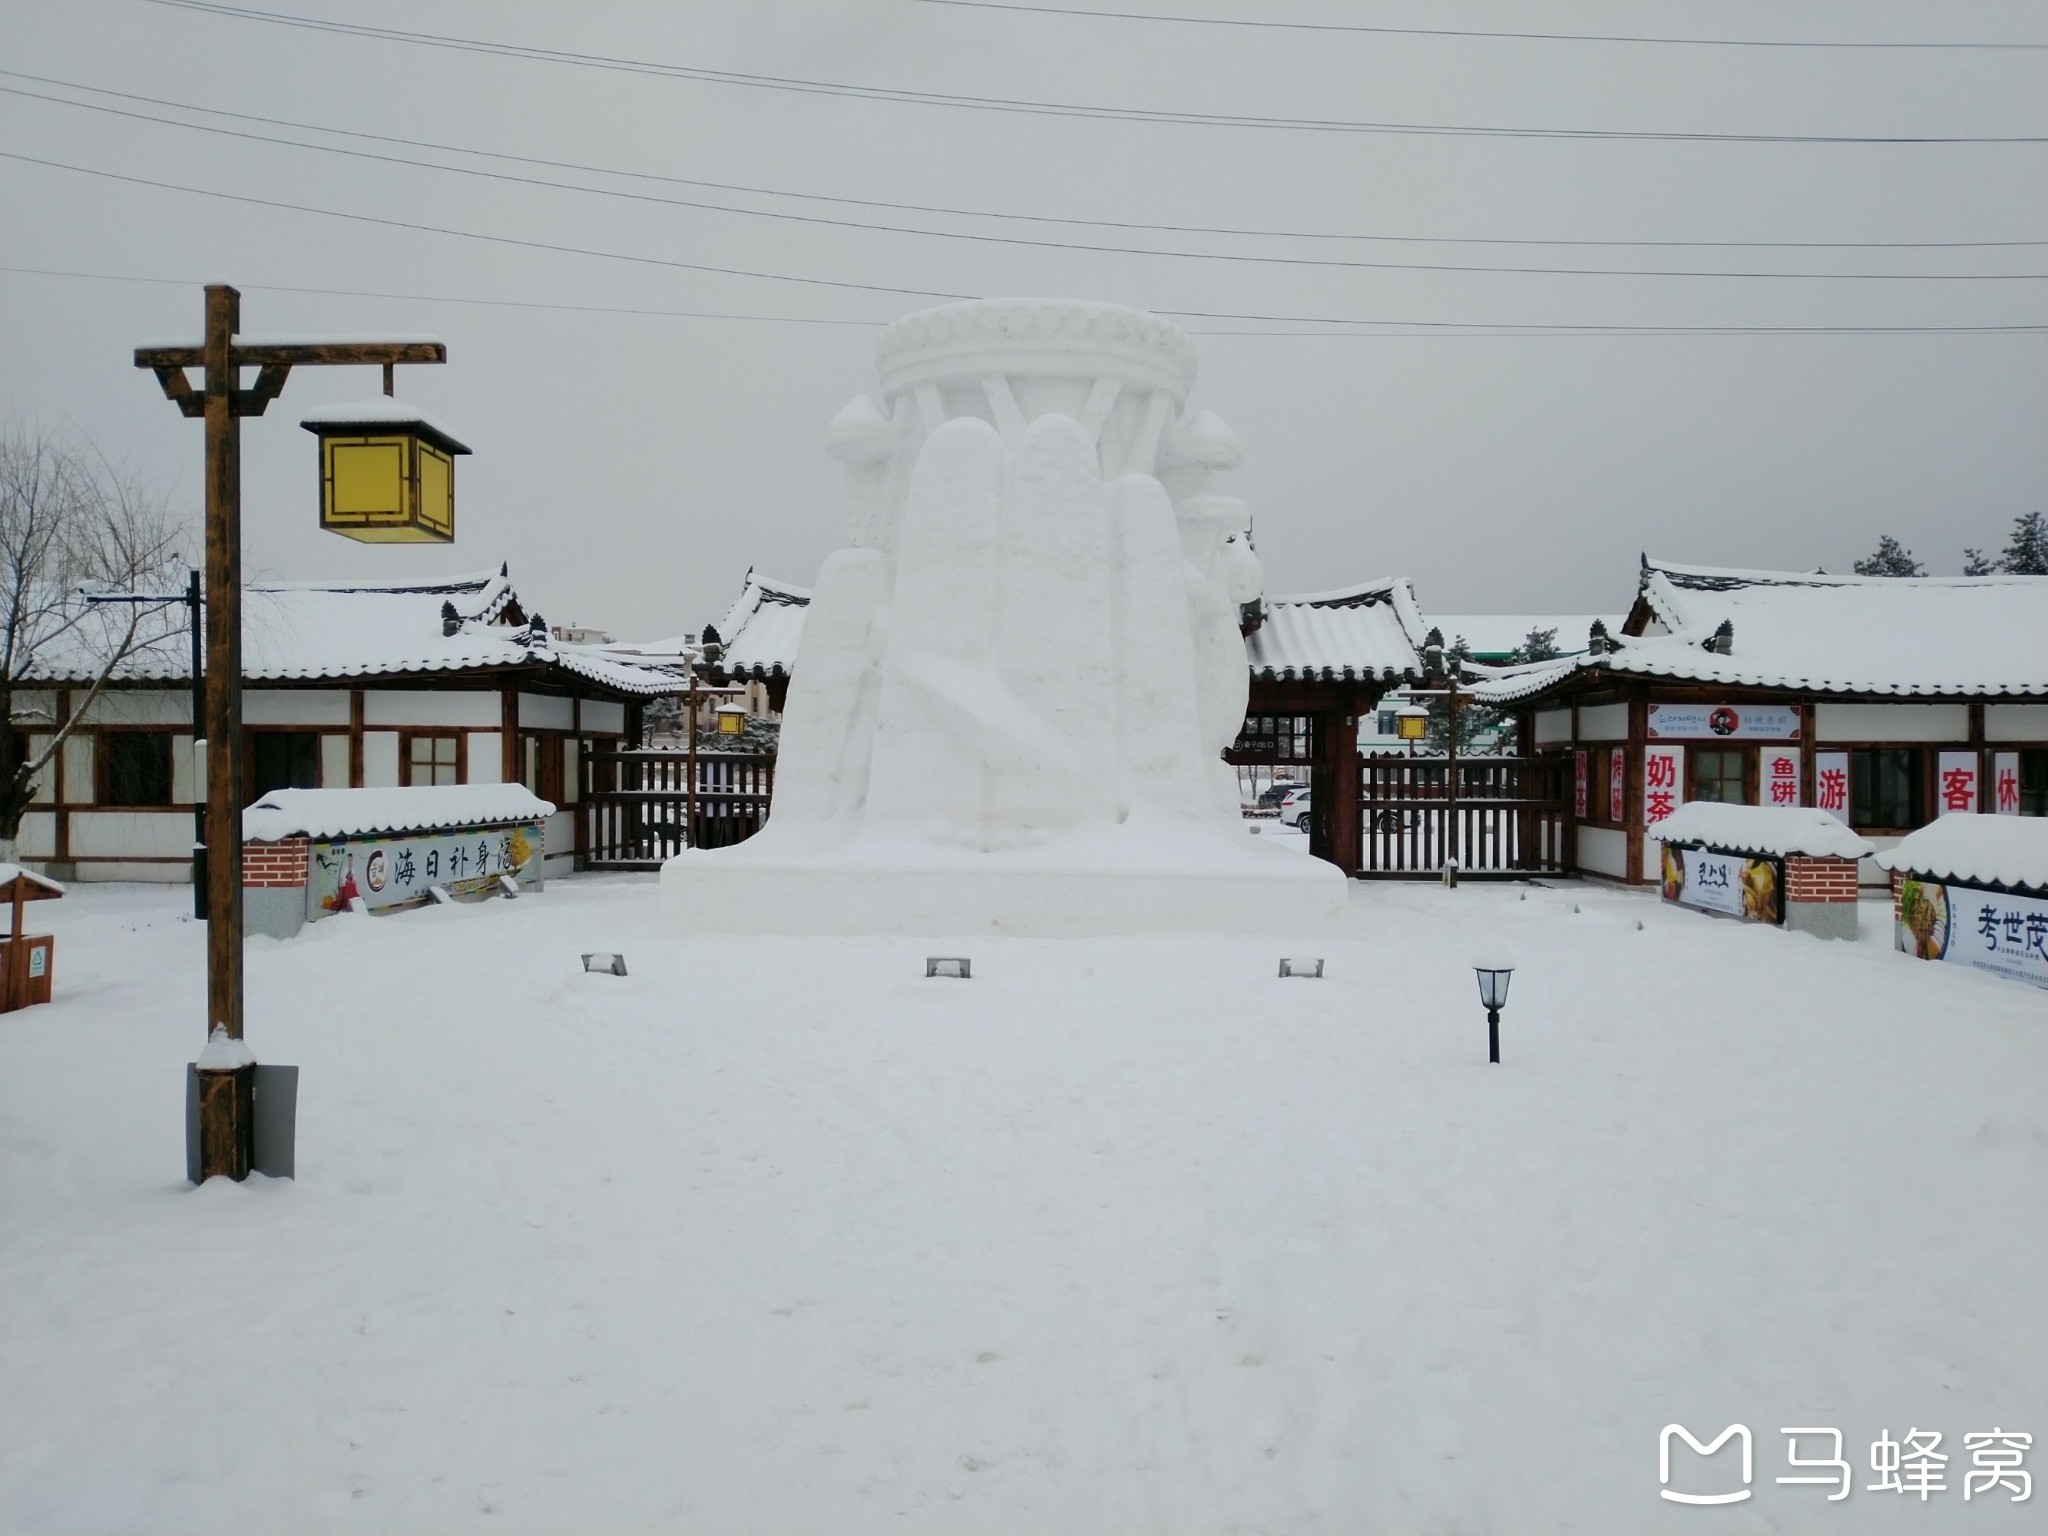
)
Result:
{"points": [[1411, 722], [732, 719], [387, 473]]}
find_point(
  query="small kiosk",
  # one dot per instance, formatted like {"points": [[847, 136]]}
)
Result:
{"points": [[1972, 889], [1781, 864], [26, 959]]}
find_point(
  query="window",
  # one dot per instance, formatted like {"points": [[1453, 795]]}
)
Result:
{"points": [[1884, 788], [282, 760], [1274, 739], [433, 758], [134, 767], [540, 766], [2034, 783], [1717, 774]]}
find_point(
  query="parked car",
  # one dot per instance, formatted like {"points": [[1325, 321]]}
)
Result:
{"points": [[1273, 794], [1295, 808]]}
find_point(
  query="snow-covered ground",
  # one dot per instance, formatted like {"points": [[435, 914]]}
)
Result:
{"points": [[777, 1235]]}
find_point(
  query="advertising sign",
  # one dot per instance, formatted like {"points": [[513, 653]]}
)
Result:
{"points": [[1663, 784], [1617, 785], [2005, 783], [1726, 722], [399, 871], [1985, 930], [1955, 783], [1831, 784], [1777, 776], [1581, 790], [1750, 889]]}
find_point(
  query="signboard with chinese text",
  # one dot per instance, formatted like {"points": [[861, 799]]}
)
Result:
{"points": [[1617, 785], [1724, 882], [1581, 790], [2005, 783], [1777, 776], [1955, 783], [1831, 784], [1727, 722], [1663, 784], [1985, 930], [399, 871]]}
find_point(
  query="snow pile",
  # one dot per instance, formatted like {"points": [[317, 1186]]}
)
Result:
{"points": [[316, 813], [223, 1054], [1768, 830], [1016, 683], [1979, 849], [382, 411], [771, 1236]]}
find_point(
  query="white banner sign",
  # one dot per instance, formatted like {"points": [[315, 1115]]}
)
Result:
{"points": [[1663, 784], [396, 871], [1617, 786], [2005, 783], [1731, 722], [1831, 784], [1723, 882], [1955, 784], [1777, 776], [1985, 930]]}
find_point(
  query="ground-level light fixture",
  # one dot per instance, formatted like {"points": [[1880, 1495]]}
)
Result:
{"points": [[958, 967], [387, 473], [605, 965], [1493, 995], [1301, 966]]}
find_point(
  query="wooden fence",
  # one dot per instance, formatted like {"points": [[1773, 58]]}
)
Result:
{"points": [[1510, 816], [636, 803]]}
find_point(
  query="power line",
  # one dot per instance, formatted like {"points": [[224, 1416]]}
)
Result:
{"points": [[1543, 37], [1052, 108], [587, 168], [1453, 331], [1026, 241]]}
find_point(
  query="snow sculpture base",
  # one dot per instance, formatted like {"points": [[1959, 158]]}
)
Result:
{"points": [[1016, 683], [1103, 887]]}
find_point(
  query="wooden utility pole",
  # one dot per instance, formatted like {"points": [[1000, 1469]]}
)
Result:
{"points": [[223, 402]]}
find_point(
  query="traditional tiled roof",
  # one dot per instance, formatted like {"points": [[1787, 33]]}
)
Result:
{"points": [[1372, 630], [762, 629], [1977, 848], [1770, 830], [316, 631], [1492, 636], [1911, 636], [287, 813]]}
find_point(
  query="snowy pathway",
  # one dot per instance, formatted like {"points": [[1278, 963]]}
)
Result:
{"points": [[777, 1235]]}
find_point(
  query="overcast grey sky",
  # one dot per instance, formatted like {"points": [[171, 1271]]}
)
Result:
{"points": [[631, 467]]}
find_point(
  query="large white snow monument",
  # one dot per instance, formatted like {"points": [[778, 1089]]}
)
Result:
{"points": [[1017, 680]]}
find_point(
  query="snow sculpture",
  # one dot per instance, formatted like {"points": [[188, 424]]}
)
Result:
{"points": [[1016, 682]]}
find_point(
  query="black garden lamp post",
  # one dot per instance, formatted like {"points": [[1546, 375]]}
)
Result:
{"points": [[1493, 995]]}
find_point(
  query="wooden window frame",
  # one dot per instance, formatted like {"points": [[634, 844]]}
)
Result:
{"points": [[249, 735], [550, 746], [431, 733], [1922, 752], [103, 765], [1748, 756]]}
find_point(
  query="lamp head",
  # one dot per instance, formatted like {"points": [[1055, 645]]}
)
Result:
{"points": [[1493, 984]]}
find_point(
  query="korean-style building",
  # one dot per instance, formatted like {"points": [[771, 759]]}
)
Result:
{"points": [[1886, 701], [344, 684]]}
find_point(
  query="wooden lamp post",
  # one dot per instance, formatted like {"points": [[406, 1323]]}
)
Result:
{"points": [[225, 1107]]}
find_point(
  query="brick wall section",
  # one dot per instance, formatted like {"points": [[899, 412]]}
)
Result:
{"points": [[1819, 880], [274, 864], [1898, 880]]}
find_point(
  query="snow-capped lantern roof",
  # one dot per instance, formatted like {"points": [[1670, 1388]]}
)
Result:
{"points": [[381, 411], [1371, 630], [1979, 849], [316, 813], [1908, 636], [1765, 830], [761, 631]]}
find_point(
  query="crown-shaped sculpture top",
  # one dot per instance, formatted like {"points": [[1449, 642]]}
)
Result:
{"points": [[1065, 337]]}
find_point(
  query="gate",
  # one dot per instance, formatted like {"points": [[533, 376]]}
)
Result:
{"points": [[1509, 815], [636, 803]]}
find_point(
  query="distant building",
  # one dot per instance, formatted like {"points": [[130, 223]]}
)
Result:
{"points": [[344, 684]]}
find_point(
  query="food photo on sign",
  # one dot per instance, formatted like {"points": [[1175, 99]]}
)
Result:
{"points": [[1728, 883]]}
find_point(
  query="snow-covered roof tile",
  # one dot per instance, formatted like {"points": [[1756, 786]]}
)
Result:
{"points": [[763, 628], [287, 813], [1371, 630], [382, 411], [1774, 830], [1953, 636], [315, 631], [38, 886], [1980, 849], [1497, 634]]}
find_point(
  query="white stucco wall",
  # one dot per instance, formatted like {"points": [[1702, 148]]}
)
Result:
{"points": [[1891, 722], [1604, 851]]}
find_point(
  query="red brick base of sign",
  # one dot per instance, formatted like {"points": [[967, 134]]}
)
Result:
{"points": [[271, 865], [1808, 878]]}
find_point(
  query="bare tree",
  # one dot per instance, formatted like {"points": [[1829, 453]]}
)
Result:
{"points": [[70, 521]]}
